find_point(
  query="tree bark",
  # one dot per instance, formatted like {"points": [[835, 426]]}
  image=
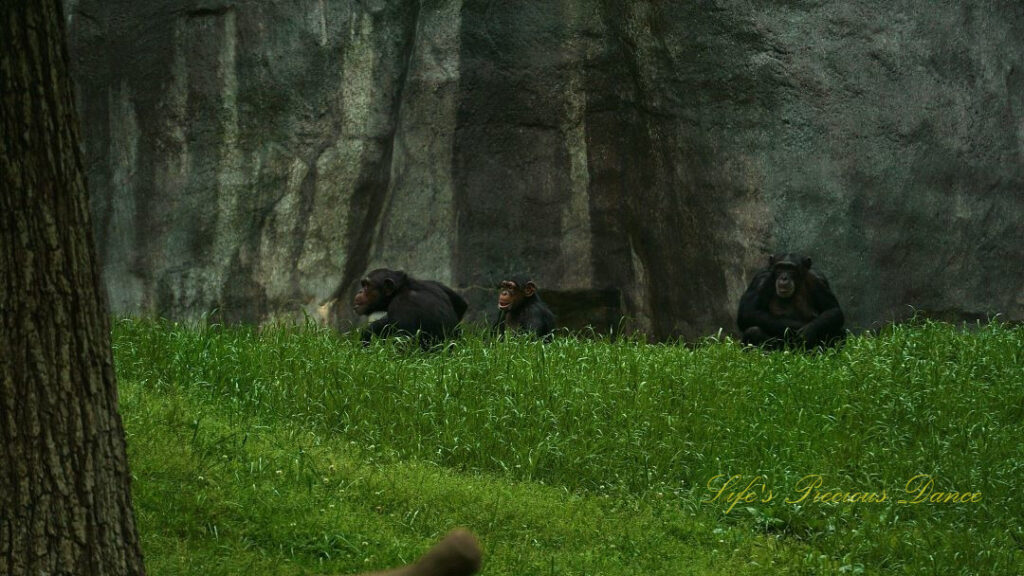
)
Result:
{"points": [[65, 494]]}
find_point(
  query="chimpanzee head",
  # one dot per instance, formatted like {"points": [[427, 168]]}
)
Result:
{"points": [[377, 289], [788, 271], [514, 292]]}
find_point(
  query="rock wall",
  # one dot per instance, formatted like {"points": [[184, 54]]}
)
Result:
{"points": [[257, 157]]}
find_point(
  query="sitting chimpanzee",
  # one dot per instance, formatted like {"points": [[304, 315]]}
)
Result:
{"points": [[413, 306], [520, 309], [788, 303]]}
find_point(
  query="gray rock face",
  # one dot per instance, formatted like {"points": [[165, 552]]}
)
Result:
{"points": [[257, 157]]}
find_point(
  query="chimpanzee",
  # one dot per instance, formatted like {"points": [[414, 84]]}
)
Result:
{"points": [[521, 309], [430, 308], [788, 303]]}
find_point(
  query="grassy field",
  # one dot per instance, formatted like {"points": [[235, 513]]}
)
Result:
{"points": [[298, 451]]}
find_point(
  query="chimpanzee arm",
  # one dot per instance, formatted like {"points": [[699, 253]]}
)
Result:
{"points": [[750, 303], [536, 319], [380, 328], [404, 316], [830, 317], [830, 314], [498, 328]]}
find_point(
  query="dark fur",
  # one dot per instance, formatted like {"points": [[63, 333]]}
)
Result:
{"points": [[530, 315], [810, 317], [424, 306], [458, 554]]}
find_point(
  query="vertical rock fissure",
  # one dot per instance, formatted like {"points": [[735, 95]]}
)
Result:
{"points": [[373, 191]]}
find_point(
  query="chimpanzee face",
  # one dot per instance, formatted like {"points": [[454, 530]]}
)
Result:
{"points": [[788, 273], [376, 291], [785, 280], [511, 294], [367, 296]]}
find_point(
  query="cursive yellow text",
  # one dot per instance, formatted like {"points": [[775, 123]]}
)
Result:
{"points": [[748, 492], [807, 488], [921, 489]]}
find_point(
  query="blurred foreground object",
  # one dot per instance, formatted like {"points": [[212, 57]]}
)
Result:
{"points": [[458, 554]]}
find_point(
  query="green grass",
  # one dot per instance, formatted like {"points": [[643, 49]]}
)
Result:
{"points": [[297, 451]]}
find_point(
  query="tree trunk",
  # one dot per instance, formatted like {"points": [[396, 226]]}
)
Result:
{"points": [[65, 494]]}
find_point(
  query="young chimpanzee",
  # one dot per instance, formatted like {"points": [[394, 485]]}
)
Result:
{"points": [[788, 303], [520, 309], [424, 306]]}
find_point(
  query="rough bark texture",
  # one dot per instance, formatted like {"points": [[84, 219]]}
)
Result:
{"points": [[254, 156], [65, 501]]}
